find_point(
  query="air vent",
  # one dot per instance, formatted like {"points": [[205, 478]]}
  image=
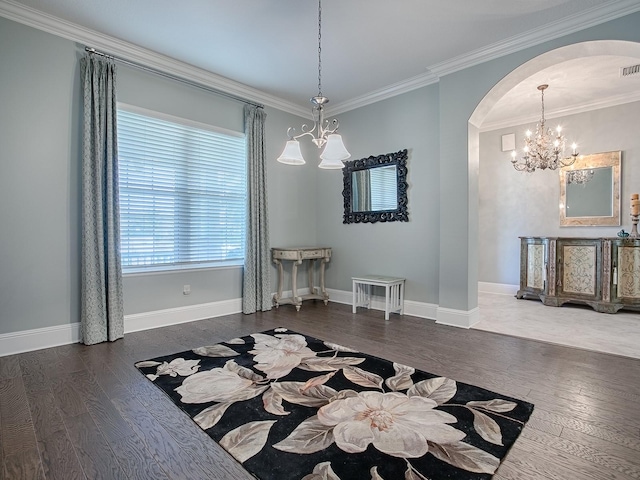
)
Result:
{"points": [[632, 70]]}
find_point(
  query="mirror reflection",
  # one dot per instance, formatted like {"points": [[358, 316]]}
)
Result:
{"points": [[590, 191], [375, 189]]}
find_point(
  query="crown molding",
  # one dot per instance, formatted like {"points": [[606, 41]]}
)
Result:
{"points": [[56, 26], [598, 104], [133, 53], [559, 28], [399, 88], [588, 18]]}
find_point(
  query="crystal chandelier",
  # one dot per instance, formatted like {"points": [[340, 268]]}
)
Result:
{"points": [[579, 177], [323, 132], [545, 149]]}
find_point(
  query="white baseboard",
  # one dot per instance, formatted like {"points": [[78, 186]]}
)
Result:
{"points": [[458, 318], [499, 288], [38, 338], [421, 309], [340, 296], [173, 316], [413, 308]]}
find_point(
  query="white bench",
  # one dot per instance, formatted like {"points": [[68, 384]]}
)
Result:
{"points": [[393, 295]]}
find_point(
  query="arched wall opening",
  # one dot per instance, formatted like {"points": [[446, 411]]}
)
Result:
{"points": [[509, 82]]}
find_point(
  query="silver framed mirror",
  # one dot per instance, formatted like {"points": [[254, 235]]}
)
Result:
{"points": [[375, 189], [590, 191]]}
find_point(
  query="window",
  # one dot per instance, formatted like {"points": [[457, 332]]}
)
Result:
{"points": [[384, 188], [182, 192]]}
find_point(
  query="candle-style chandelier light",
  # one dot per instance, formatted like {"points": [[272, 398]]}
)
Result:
{"points": [[323, 132], [545, 149]]}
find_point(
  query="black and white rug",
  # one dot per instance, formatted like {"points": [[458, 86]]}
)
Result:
{"points": [[290, 406]]}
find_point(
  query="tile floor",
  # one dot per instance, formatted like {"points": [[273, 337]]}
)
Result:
{"points": [[571, 325]]}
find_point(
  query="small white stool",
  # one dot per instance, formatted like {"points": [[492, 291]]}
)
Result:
{"points": [[393, 295]]}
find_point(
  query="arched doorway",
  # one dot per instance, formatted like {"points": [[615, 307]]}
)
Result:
{"points": [[544, 62]]}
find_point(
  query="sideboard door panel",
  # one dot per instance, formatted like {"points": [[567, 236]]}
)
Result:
{"points": [[627, 255], [579, 275], [580, 270], [629, 272], [535, 266]]}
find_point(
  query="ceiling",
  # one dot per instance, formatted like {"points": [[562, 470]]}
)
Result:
{"points": [[370, 48]]}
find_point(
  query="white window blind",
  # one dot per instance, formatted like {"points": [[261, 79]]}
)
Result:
{"points": [[182, 192], [384, 188]]}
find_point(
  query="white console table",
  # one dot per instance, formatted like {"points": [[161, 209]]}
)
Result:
{"points": [[297, 255], [393, 292]]}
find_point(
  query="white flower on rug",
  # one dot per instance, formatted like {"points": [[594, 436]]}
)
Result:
{"points": [[218, 385], [178, 366], [277, 356], [394, 423], [322, 471]]}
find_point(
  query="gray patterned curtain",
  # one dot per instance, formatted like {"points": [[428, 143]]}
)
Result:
{"points": [[362, 191], [102, 311], [256, 283]]}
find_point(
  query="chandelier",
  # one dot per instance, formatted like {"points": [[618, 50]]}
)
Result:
{"points": [[545, 149], [579, 177], [323, 132]]}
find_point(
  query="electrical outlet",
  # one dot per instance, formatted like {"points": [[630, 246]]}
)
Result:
{"points": [[186, 290]]}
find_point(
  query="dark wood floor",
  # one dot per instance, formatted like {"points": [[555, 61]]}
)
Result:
{"points": [[76, 412]]}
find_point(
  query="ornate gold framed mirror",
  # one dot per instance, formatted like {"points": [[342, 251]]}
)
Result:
{"points": [[590, 191]]}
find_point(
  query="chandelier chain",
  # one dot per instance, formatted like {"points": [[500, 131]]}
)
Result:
{"points": [[319, 48], [323, 132]]}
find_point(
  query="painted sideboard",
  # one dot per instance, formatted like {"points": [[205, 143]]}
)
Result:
{"points": [[603, 273]]}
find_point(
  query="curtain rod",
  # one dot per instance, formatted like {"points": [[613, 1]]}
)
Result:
{"points": [[173, 77]]}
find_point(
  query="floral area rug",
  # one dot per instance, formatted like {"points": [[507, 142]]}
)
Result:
{"points": [[290, 406]]}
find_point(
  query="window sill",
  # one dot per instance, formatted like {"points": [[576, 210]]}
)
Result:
{"points": [[143, 271]]}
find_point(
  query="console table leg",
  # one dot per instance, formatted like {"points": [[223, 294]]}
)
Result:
{"points": [[278, 296], [323, 290], [312, 264], [294, 284]]}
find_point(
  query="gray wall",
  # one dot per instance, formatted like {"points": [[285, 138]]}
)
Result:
{"points": [[290, 221], [514, 204], [156, 291], [432, 122], [437, 250], [460, 94], [403, 249], [39, 179], [40, 190]]}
